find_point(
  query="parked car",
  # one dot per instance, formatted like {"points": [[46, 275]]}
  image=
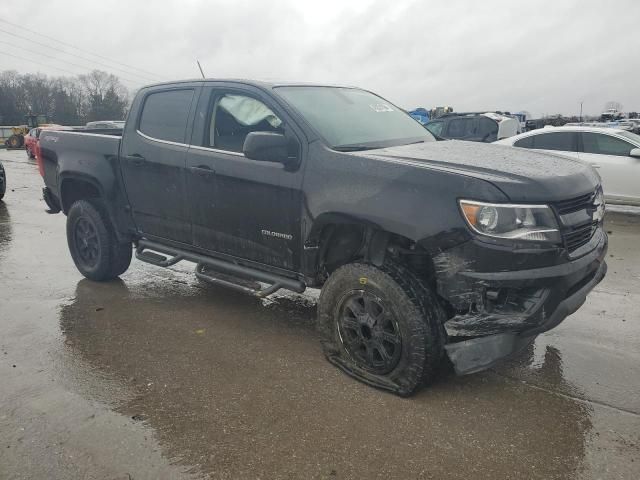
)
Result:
{"points": [[35, 142], [614, 152], [422, 248], [3, 181], [30, 142], [475, 127], [611, 114]]}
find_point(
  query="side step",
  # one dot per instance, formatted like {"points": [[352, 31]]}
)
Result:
{"points": [[219, 272]]}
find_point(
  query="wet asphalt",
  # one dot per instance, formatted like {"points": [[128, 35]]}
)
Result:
{"points": [[157, 376]]}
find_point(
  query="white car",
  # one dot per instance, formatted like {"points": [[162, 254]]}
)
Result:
{"points": [[614, 152]]}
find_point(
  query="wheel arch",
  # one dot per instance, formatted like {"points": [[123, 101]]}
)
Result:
{"points": [[337, 239], [78, 187]]}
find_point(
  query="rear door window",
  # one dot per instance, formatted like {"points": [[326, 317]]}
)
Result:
{"points": [[487, 130], [561, 141], [459, 128], [603, 144], [165, 114], [526, 142]]}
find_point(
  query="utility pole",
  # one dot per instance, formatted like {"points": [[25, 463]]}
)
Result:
{"points": [[581, 111]]}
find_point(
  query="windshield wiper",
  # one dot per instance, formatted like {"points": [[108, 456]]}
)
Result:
{"points": [[352, 148]]}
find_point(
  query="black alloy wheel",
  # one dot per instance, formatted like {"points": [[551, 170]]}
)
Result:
{"points": [[86, 240], [368, 332]]}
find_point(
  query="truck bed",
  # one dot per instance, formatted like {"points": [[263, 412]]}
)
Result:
{"points": [[77, 151]]}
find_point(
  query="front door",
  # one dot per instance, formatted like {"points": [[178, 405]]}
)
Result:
{"points": [[619, 171], [153, 158], [241, 207]]}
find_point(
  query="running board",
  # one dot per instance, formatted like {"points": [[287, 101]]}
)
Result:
{"points": [[219, 272]]}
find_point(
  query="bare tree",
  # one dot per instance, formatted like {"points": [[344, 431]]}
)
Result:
{"points": [[613, 105]]}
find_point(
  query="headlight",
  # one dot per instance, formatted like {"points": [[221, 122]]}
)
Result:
{"points": [[517, 222]]}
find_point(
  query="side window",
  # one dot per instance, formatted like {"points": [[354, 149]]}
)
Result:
{"points": [[459, 127], [526, 142], [435, 128], [561, 141], [165, 115], [234, 116], [605, 144], [487, 130]]}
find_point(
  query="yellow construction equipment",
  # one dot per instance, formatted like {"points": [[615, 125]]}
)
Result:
{"points": [[16, 140]]}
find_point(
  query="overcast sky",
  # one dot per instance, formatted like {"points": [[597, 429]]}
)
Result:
{"points": [[536, 55]]}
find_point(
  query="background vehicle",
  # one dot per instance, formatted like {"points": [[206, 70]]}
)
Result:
{"points": [[475, 127], [614, 152], [16, 140], [611, 114], [30, 141], [35, 142], [422, 248]]}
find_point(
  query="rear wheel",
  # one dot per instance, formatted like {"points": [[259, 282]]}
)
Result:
{"points": [[382, 325], [93, 244], [3, 182], [15, 141], [29, 152]]}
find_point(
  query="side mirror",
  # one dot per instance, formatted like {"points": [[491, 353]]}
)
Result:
{"points": [[635, 152], [266, 147]]}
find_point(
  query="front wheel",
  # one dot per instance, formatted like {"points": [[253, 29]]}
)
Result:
{"points": [[382, 325], [93, 243]]}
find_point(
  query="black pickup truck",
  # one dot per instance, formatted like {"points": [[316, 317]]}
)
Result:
{"points": [[424, 250]]}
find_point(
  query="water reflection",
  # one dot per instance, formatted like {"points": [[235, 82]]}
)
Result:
{"points": [[241, 389], [5, 229]]}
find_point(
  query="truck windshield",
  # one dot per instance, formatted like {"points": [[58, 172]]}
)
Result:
{"points": [[350, 119]]}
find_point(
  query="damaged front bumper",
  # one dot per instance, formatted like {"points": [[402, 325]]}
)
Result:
{"points": [[501, 312]]}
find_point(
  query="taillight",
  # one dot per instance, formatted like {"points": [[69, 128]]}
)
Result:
{"points": [[39, 160]]}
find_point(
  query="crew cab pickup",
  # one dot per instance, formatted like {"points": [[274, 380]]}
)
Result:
{"points": [[423, 249]]}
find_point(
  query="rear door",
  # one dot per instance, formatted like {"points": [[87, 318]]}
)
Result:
{"points": [[241, 207], [619, 171], [153, 156], [459, 128]]}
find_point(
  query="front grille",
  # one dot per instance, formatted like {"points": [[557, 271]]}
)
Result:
{"points": [[574, 204], [578, 237], [578, 234]]}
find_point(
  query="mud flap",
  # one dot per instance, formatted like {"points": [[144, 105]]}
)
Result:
{"points": [[478, 354]]}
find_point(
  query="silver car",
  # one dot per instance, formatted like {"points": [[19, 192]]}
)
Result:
{"points": [[614, 152]]}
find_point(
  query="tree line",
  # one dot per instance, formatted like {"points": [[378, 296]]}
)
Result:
{"points": [[66, 100]]}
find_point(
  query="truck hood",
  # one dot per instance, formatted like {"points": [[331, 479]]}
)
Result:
{"points": [[523, 175]]}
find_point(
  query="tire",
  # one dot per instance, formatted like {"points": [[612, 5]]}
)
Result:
{"points": [[93, 244], [15, 141], [407, 323], [29, 152], [3, 182]]}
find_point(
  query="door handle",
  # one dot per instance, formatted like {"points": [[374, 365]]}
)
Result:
{"points": [[137, 160], [595, 165]]}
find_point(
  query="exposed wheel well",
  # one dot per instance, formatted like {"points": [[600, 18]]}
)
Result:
{"points": [[73, 189], [340, 244]]}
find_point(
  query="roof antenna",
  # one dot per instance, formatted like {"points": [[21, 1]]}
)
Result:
{"points": [[200, 67]]}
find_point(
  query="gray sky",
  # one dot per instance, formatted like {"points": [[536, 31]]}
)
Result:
{"points": [[541, 56]]}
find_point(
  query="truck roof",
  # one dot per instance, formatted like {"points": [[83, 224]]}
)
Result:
{"points": [[255, 83]]}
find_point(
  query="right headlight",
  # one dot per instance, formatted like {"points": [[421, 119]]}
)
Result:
{"points": [[517, 222]]}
